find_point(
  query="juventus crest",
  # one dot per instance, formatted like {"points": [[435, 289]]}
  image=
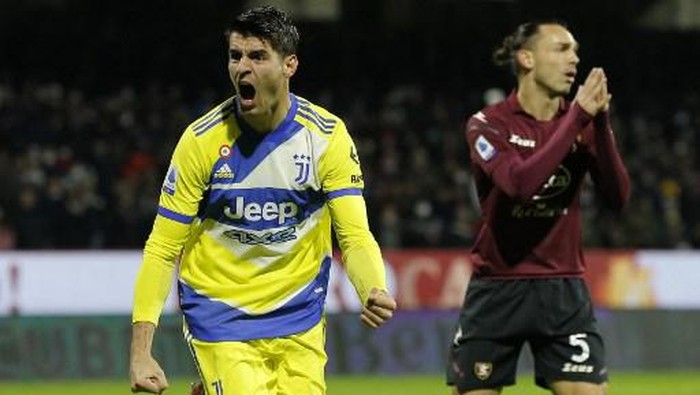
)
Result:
{"points": [[303, 164]]}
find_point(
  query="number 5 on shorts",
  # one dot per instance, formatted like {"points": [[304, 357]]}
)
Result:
{"points": [[578, 340]]}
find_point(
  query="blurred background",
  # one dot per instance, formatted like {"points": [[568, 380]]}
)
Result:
{"points": [[94, 95]]}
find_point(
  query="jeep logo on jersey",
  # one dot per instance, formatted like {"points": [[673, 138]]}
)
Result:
{"points": [[556, 184], [303, 164], [278, 212]]}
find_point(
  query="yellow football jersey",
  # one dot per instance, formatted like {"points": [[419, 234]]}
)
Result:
{"points": [[248, 214]]}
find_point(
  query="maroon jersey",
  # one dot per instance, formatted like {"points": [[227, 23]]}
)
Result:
{"points": [[528, 176]]}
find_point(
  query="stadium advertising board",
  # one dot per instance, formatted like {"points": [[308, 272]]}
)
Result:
{"points": [[79, 283], [414, 341]]}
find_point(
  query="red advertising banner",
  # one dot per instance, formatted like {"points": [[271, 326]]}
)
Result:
{"points": [[430, 278], [437, 279]]}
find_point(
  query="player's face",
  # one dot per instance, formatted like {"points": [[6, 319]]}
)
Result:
{"points": [[555, 58], [260, 75]]}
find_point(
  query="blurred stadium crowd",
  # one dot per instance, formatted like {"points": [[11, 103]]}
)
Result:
{"points": [[82, 167], [82, 171]]}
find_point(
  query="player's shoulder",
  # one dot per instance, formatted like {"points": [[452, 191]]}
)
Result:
{"points": [[492, 118], [212, 118], [316, 118], [492, 113]]}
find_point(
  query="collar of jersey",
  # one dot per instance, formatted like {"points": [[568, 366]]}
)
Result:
{"points": [[284, 125], [516, 108]]}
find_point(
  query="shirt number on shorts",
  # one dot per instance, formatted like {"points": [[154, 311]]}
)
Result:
{"points": [[578, 340]]}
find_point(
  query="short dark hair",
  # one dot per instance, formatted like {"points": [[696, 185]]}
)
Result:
{"points": [[504, 55], [270, 24]]}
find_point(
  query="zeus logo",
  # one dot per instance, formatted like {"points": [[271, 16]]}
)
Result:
{"points": [[268, 211], [302, 162]]}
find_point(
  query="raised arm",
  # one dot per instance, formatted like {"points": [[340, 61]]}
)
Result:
{"points": [[607, 170], [522, 178]]}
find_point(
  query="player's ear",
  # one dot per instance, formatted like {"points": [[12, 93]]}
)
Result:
{"points": [[291, 62], [525, 59]]}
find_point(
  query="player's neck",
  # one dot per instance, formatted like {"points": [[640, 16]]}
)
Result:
{"points": [[269, 120], [538, 102]]}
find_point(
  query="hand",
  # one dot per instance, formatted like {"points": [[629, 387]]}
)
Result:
{"points": [[197, 388], [604, 95], [593, 95], [378, 309], [147, 376]]}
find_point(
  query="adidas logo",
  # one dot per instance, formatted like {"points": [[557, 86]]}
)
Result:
{"points": [[223, 172]]}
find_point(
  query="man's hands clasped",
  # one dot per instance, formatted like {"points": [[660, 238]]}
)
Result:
{"points": [[593, 96]]}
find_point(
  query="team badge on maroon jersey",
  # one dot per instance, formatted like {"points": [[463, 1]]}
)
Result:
{"points": [[483, 370]]}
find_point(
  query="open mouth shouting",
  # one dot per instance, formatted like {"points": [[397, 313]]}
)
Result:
{"points": [[246, 95]]}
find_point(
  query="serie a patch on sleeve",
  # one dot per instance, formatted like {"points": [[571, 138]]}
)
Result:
{"points": [[170, 181], [485, 150]]}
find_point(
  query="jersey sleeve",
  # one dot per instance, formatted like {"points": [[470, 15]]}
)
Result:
{"points": [[520, 178], [361, 254], [181, 193], [608, 170], [342, 183], [339, 167], [185, 182]]}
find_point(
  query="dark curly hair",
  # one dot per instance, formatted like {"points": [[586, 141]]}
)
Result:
{"points": [[270, 24]]}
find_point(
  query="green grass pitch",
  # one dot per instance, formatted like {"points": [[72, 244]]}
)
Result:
{"points": [[622, 383]]}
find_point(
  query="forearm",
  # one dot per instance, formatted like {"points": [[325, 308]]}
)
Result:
{"points": [[612, 179], [156, 273], [142, 339], [153, 284], [361, 254], [520, 178], [365, 268]]}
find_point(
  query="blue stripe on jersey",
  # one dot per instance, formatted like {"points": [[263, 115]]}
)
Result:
{"points": [[211, 320], [344, 192], [325, 122], [315, 122], [215, 121], [263, 208], [170, 214], [225, 106], [244, 165]]}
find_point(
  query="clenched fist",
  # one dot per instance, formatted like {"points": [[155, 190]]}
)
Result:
{"points": [[379, 308]]}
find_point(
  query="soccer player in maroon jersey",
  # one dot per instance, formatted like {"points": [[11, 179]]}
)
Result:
{"points": [[530, 155]]}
